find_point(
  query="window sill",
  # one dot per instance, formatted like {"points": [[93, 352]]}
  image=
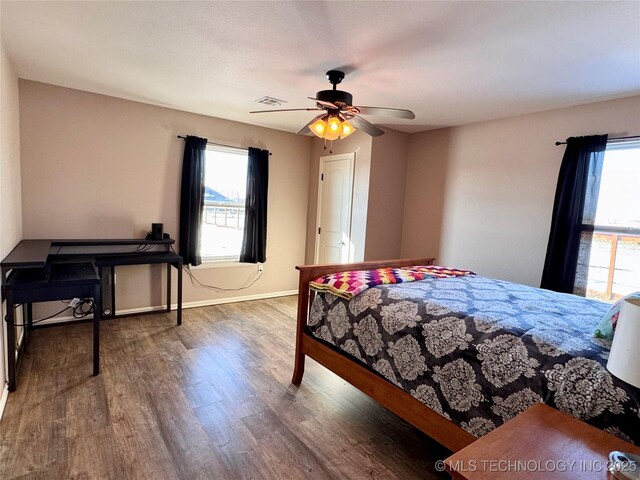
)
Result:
{"points": [[222, 263]]}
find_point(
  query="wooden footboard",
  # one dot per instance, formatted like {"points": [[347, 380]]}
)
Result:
{"points": [[384, 392]]}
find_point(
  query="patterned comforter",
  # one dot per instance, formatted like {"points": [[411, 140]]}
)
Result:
{"points": [[479, 351]]}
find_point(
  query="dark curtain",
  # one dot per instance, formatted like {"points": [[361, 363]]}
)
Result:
{"points": [[254, 241], [574, 209], [192, 199]]}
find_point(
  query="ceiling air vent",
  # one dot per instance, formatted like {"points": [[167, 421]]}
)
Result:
{"points": [[272, 102]]}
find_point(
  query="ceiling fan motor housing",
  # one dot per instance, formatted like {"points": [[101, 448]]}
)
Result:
{"points": [[334, 96]]}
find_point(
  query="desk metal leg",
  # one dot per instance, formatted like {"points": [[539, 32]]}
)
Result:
{"points": [[26, 328], [27, 313], [113, 292], [11, 341], [30, 316], [96, 328], [179, 309], [168, 287]]}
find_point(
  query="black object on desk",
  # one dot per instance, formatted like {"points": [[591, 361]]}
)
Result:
{"points": [[46, 270]]}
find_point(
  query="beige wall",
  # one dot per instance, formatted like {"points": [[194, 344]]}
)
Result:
{"points": [[386, 195], [10, 205], [480, 196], [99, 167], [427, 164], [359, 143], [10, 197]]}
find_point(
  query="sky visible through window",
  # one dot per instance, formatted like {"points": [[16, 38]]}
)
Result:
{"points": [[619, 199], [226, 173]]}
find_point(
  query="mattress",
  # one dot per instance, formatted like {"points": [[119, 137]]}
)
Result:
{"points": [[479, 351]]}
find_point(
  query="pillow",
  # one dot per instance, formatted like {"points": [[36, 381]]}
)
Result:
{"points": [[607, 326]]}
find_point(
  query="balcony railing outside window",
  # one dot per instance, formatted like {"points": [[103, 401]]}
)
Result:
{"points": [[224, 214], [222, 230], [614, 263]]}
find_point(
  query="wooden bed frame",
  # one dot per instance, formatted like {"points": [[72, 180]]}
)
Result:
{"points": [[384, 392]]}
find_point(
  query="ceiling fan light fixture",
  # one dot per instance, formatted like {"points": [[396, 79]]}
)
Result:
{"points": [[331, 127], [332, 135], [318, 127], [334, 124], [347, 129], [334, 128]]}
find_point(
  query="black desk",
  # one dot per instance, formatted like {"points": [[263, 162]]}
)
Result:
{"points": [[59, 282], [44, 270]]}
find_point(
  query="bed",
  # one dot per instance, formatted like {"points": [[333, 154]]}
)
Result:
{"points": [[457, 357]]}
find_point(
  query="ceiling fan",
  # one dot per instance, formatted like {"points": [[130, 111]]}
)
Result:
{"points": [[339, 117]]}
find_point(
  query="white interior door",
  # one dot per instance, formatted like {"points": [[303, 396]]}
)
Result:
{"points": [[335, 196]]}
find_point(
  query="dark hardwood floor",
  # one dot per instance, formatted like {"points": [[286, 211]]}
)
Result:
{"points": [[211, 399]]}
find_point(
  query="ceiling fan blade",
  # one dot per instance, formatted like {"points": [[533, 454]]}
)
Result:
{"points": [[323, 103], [288, 110], [367, 127], [389, 112]]}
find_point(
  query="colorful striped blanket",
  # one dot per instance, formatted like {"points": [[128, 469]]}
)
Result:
{"points": [[349, 284]]}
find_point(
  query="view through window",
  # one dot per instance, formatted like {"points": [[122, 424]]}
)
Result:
{"points": [[224, 209], [614, 262]]}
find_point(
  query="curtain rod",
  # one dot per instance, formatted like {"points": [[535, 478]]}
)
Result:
{"points": [[608, 140], [220, 144]]}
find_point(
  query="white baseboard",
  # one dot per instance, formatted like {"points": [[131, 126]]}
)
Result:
{"points": [[3, 399], [243, 298], [200, 303]]}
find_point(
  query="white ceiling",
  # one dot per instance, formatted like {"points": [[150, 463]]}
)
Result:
{"points": [[452, 63]]}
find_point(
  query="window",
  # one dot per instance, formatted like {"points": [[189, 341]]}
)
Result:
{"points": [[614, 260], [223, 216]]}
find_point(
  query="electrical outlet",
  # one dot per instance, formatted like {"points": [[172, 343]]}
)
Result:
{"points": [[260, 268]]}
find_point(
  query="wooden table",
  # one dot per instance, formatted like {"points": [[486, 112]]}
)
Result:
{"points": [[540, 443]]}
